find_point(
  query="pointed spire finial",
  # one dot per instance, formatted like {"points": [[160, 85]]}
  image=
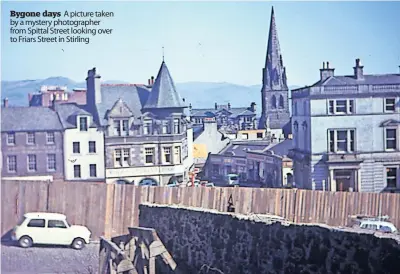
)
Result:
{"points": [[163, 53]]}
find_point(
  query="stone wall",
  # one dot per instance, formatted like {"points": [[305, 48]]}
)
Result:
{"points": [[258, 244]]}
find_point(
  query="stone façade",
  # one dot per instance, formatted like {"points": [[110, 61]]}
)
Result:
{"points": [[238, 244]]}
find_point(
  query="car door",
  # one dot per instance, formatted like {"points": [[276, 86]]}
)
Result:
{"points": [[36, 229], [58, 232]]}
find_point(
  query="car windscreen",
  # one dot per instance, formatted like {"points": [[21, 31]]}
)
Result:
{"points": [[233, 178]]}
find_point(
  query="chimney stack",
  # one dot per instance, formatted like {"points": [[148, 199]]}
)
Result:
{"points": [[216, 106], [358, 70], [253, 106], [152, 80], [326, 72], [93, 88], [5, 102]]}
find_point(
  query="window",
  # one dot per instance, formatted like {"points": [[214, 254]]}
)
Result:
{"points": [[391, 177], [56, 224], [10, 138], [31, 162], [30, 138], [117, 128], [146, 127], [341, 106], [295, 108], [165, 128], [176, 126], [126, 157], [92, 170], [125, 127], [273, 101], [281, 101], [83, 123], [167, 155], [12, 163], [36, 223], [50, 139], [76, 148], [51, 162], [341, 140], [177, 153], [77, 171], [92, 147], [248, 119], [245, 136], [391, 138], [390, 104], [259, 135], [118, 155], [149, 155]]}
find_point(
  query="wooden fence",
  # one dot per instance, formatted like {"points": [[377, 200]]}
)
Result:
{"points": [[108, 210]]}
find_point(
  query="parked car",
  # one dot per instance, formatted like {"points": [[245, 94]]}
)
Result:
{"points": [[147, 182], [50, 229], [232, 179], [377, 225]]}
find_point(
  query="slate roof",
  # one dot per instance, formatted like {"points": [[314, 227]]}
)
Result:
{"points": [[163, 93], [68, 113], [29, 119], [212, 112], [134, 96], [240, 148], [368, 79], [281, 148]]}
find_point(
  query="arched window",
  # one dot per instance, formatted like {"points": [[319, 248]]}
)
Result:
{"points": [[281, 102], [273, 101]]}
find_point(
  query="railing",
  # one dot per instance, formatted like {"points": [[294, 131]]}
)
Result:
{"points": [[135, 253]]}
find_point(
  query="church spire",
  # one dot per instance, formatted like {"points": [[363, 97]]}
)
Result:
{"points": [[274, 72]]}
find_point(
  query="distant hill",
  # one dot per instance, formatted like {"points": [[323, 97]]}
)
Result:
{"points": [[199, 94]]}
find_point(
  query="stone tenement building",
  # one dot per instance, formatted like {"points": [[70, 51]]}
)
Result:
{"points": [[275, 92], [147, 134], [346, 132]]}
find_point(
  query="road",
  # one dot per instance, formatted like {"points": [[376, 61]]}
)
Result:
{"points": [[49, 260]]}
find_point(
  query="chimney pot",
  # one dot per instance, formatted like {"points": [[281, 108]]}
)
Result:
{"points": [[357, 62], [327, 65], [216, 106], [152, 80], [5, 102], [229, 105], [323, 65], [148, 81]]}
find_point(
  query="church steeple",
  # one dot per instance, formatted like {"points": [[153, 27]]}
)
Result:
{"points": [[274, 93], [274, 76]]}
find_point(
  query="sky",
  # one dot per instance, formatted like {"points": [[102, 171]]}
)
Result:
{"points": [[211, 41]]}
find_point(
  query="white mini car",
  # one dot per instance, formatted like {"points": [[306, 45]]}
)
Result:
{"points": [[378, 226], [50, 229]]}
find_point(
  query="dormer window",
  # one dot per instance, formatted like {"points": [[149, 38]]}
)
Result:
{"points": [[165, 129], [147, 127], [83, 123], [176, 126], [121, 127]]}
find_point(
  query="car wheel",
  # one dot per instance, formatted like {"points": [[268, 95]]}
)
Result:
{"points": [[25, 241], [78, 243]]}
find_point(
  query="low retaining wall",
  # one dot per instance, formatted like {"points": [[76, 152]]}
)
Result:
{"points": [[230, 243]]}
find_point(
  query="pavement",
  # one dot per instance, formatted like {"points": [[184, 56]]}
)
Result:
{"points": [[49, 259]]}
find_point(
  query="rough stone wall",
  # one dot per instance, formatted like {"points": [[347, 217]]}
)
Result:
{"points": [[243, 244]]}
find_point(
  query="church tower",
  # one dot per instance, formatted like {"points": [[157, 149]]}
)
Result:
{"points": [[274, 92]]}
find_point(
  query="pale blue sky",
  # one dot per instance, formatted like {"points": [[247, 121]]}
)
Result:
{"points": [[233, 38]]}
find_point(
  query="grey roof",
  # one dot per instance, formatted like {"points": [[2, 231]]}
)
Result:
{"points": [[29, 119], [240, 148], [134, 96], [281, 148], [212, 112], [368, 79], [68, 113], [36, 100], [163, 93]]}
